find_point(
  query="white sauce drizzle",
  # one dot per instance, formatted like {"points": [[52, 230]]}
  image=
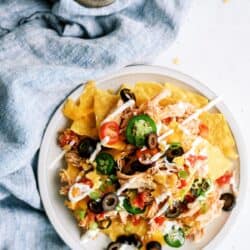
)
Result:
{"points": [[126, 185], [98, 149], [160, 212], [61, 155], [84, 191], [191, 117], [89, 235], [119, 110]]}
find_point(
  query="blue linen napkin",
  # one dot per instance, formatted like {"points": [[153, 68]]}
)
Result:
{"points": [[46, 50]]}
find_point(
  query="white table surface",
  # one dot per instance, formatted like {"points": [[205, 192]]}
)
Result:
{"points": [[213, 46]]}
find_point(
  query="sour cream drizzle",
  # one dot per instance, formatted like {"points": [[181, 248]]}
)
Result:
{"points": [[84, 191], [60, 156], [119, 110], [191, 117], [89, 235], [98, 148]]}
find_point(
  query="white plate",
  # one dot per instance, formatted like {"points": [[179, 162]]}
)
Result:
{"points": [[62, 219]]}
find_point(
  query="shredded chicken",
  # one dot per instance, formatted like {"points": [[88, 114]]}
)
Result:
{"points": [[73, 158], [151, 210], [141, 180]]}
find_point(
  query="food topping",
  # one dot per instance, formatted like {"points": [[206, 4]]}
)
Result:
{"points": [[147, 166]]}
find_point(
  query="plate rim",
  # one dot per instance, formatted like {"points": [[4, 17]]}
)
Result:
{"points": [[189, 81]]}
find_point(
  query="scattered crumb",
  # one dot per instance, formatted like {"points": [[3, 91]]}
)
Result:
{"points": [[226, 1], [176, 61]]}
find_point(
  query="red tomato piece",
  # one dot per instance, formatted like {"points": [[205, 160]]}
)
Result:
{"points": [[87, 182], [189, 198], [224, 179], [66, 137], [135, 220], [203, 130], [193, 158], [110, 129], [183, 183], [159, 220], [145, 155], [100, 216], [167, 120]]}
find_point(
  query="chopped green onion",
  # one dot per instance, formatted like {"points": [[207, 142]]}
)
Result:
{"points": [[81, 214], [95, 195], [93, 226], [183, 174]]}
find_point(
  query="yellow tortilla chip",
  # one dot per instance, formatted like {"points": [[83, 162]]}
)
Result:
{"points": [[104, 102], [177, 135], [218, 164], [87, 97], [120, 145], [75, 110], [71, 110], [145, 91], [85, 125], [180, 94], [219, 133]]}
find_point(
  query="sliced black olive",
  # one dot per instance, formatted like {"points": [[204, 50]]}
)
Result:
{"points": [[139, 167], [132, 239], [105, 223], [86, 147], [229, 201], [128, 170], [153, 245], [114, 246], [127, 94], [174, 151], [123, 239], [174, 211], [95, 206], [110, 201], [152, 141]]}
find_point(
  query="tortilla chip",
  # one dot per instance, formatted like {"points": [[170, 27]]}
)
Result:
{"points": [[87, 97], [218, 164], [71, 110], [74, 110], [177, 135], [179, 94], [104, 102], [85, 125], [120, 145], [219, 133], [145, 91]]}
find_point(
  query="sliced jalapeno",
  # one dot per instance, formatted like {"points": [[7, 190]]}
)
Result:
{"points": [[105, 163], [175, 237], [139, 127], [131, 209]]}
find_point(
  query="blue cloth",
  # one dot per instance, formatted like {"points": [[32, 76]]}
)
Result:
{"points": [[46, 50]]}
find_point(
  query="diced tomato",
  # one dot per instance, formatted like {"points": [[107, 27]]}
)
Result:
{"points": [[110, 129], [193, 158], [140, 200], [203, 130], [224, 179], [135, 220], [167, 120], [66, 137], [145, 155], [100, 216], [87, 182], [183, 183], [189, 198], [159, 220]]}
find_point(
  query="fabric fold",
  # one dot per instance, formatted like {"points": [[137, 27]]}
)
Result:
{"points": [[48, 48]]}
